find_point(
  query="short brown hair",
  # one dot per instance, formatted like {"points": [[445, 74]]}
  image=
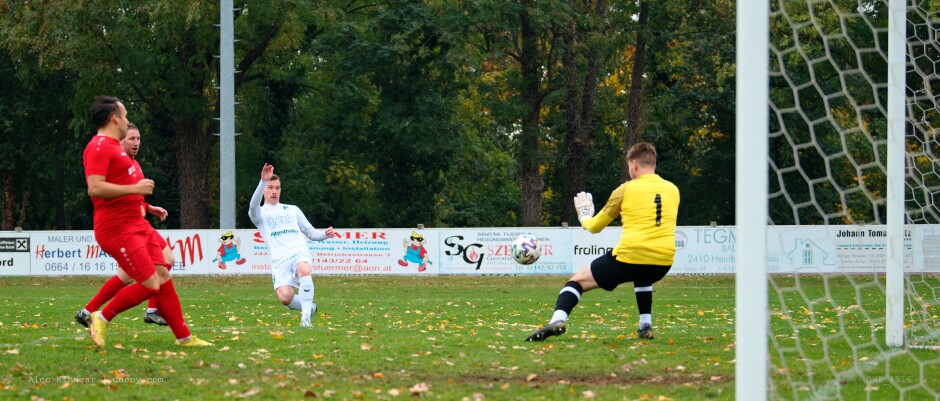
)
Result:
{"points": [[644, 153], [274, 177], [131, 126]]}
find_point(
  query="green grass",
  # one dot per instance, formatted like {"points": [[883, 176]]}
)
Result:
{"points": [[447, 338]]}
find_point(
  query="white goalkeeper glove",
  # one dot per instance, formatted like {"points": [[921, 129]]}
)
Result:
{"points": [[584, 205]]}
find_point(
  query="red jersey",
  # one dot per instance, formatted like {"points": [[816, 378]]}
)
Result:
{"points": [[104, 156], [142, 176]]}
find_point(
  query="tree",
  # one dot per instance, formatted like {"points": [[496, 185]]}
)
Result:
{"points": [[159, 58]]}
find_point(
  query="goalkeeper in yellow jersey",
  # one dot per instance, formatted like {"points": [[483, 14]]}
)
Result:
{"points": [[647, 206]]}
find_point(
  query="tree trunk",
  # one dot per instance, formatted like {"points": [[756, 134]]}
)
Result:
{"points": [[24, 206], [194, 149], [575, 159], [7, 223], [579, 114], [635, 100], [60, 221], [529, 138]]}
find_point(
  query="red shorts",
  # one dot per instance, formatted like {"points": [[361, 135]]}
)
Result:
{"points": [[136, 250], [159, 242]]}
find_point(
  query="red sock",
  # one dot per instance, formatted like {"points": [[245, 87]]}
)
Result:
{"points": [[127, 298], [152, 303], [168, 302], [107, 291]]}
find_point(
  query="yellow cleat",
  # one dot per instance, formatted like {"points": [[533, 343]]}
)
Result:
{"points": [[193, 342], [97, 328]]}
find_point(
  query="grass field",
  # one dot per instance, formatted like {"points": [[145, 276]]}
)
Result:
{"points": [[447, 338]]}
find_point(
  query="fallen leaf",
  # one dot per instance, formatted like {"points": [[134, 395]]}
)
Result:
{"points": [[419, 388]]}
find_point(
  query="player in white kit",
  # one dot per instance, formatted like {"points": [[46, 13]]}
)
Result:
{"points": [[285, 229]]}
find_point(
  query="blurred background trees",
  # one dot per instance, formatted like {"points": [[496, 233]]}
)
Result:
{"points": [[376, 114]]}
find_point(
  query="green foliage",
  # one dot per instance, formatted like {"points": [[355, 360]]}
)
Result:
{"points": [[399, 113]]}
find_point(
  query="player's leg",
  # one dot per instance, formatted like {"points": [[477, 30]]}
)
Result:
{"points": [[643, 288], [167, 299], [152, 315], [131, 253], [282, 276], [287, 297], [105, 293], [305, 291], [600, 274]]}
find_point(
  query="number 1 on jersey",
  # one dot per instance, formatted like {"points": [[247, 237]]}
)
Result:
{"points": [[659, 210]]}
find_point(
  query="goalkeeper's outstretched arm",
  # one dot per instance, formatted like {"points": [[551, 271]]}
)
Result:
{"points": [[584, 205]]}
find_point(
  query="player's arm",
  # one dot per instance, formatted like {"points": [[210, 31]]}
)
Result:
{"points": [[584, 205], [310, 232], [99, 188], [254, 209], [158, 211]]}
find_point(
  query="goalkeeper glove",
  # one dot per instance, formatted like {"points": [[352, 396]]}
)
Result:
{"points": [[584, 205]]}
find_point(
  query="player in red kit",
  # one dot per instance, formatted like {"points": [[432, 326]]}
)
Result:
{"points": [[131, 145], [117, 189]]}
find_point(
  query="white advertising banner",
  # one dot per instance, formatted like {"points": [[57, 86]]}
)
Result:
{"points": [[377, 251], [476, 251], [14, 253]]}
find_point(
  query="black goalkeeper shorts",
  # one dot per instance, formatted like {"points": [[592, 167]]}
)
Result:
{"points": [[609, 272]]}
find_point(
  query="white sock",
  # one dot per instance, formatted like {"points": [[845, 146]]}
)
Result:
{"points": [[294, 304], [86, 311], [558, 315], [646, 318], [151, 310], [305, 294]]}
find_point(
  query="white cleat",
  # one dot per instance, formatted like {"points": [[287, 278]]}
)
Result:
{"points": [[305, 321]]}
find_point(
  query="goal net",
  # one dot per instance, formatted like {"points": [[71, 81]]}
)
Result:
{"points": [[831, 240]]}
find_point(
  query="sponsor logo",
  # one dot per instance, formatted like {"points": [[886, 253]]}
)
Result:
{"points": [[43, 253], [187, 246], [592, 250], [94, 252], [471, 253], [681, 240], [14, 244], [362, 235]]}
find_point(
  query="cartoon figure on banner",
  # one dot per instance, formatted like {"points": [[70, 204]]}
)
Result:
{"points": [[415, 252], [228, 251]]}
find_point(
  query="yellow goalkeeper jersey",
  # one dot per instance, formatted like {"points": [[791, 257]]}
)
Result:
{"points": [[647, 206]]}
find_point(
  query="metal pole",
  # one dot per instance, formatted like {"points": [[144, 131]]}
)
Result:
{"points": [[751, 186], [226, 117], [894, 284]]}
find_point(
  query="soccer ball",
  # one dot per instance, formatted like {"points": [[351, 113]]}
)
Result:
{"points": [[526, 249]]}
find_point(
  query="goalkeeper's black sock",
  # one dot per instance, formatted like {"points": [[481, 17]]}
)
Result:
{"points": [[644, 303], [567, 299]]}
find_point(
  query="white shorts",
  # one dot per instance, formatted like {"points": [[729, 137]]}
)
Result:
{"points": [[284, 271]]}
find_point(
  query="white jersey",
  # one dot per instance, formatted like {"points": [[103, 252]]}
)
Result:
{"points": [[284, 227]]}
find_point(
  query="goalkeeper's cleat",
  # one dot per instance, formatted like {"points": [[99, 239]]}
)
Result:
{"points": [[97, 328], [193, 342], [645, 331], [155, 318], [83, 318], [552, 329]]}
